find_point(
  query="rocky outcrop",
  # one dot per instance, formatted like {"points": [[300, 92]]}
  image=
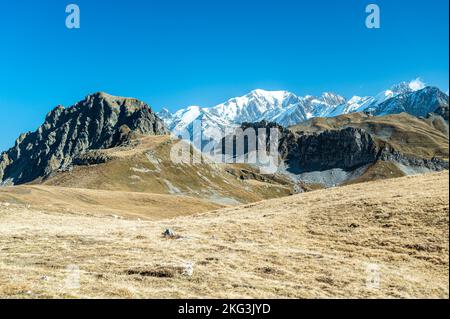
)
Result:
{"points": [[88, 158], [100, 121], [347, 149], [433, 164]]}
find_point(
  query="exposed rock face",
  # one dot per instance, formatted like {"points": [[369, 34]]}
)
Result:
{"points": [[347, 149], [91, 158], [100, 121], [434, 164]]}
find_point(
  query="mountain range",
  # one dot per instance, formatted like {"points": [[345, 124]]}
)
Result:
{"points": [[77, 135], [287, 109]]}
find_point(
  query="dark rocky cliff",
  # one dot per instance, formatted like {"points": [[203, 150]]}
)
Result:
{"points": [[347, 148]]}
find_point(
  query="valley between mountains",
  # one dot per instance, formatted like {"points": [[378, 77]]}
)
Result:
{"points": [[361, 183]]}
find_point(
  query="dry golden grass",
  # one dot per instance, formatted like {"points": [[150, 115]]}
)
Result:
{"points": [[378, 170], [100, 202], [313, 245]]}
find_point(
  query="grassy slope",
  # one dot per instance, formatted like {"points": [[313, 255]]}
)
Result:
{"points": [[122, 204], [316, 244], [148, 168], [378, 170]]}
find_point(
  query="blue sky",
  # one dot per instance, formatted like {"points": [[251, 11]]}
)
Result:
{"points": [[178, 53]]}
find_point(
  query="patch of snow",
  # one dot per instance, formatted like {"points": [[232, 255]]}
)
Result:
{"points": [[140, 170]]}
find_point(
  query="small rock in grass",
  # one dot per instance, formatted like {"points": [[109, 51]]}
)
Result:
{"points": [[169, 233]]}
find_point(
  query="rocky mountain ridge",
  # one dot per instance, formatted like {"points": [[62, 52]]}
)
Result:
{"points": [[99, 121]]}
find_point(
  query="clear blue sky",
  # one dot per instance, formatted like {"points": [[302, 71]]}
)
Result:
{"points": [[178, 53]]}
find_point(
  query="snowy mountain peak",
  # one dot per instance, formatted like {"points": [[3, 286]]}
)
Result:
{"points": [[263, 96], [355, 99], [195, 108], [270, 94], [332, 99], [416, 85], [164, 113], [418, 103], [406, 87], [286, 108], [400, 88]]}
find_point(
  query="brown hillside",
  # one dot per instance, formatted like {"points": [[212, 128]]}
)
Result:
{"points": [[146, 167], [322, 244]]}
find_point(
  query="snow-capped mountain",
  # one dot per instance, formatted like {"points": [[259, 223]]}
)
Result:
{"points": [[419, 103], [287, 109], [276, 106], [253, 105], [368, 104]]}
